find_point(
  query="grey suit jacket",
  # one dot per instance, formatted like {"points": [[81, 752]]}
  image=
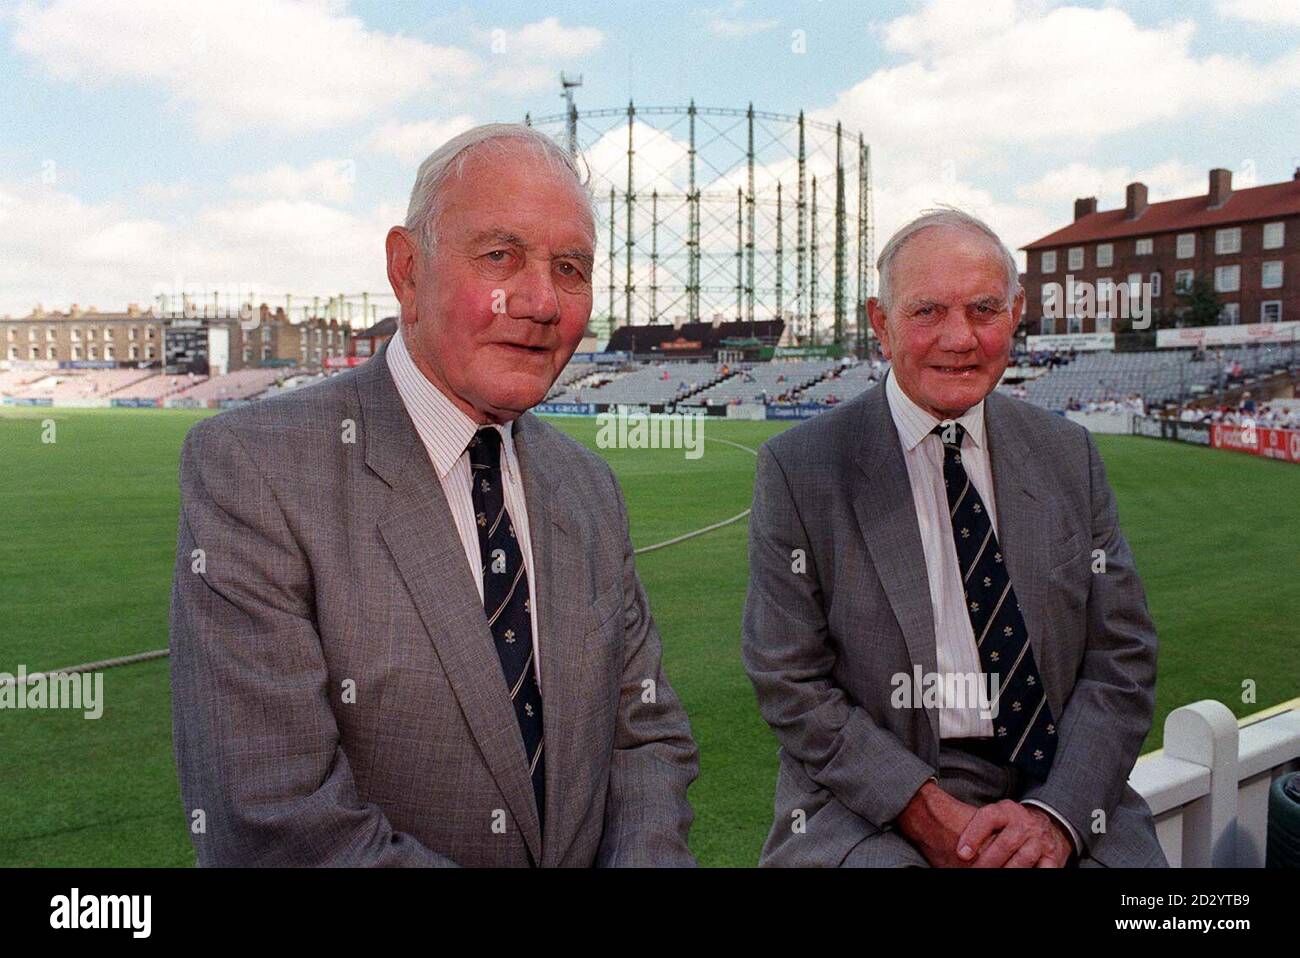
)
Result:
{"points": [[337, 697], [822, 645]]}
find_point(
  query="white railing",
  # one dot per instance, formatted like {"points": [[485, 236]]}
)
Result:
{"points": [[1208, 787]]}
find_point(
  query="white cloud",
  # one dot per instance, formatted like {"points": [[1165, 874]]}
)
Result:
{"points": [[61, 250], [980, 89], [1276, 12], [410, 143], [545, 39], [733, 27], [164, 192], [240, 63], [661, 160], [975, 78], [1058, 188], [527, 60], [328, 180]]}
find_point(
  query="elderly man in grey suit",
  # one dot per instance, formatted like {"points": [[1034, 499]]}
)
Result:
{"points": [[944, 625], [406, 627]]}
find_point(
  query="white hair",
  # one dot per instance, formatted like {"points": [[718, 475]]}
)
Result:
{"points": [[504, 140], [950, 217]]}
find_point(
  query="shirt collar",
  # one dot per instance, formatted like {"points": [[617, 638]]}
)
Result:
{"points": [[914, 423], [443, 428]]}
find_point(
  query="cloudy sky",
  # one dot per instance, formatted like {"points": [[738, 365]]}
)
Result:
{"points": [[269, 144]]}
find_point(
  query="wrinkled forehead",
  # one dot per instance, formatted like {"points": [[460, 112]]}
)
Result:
{"points": [[949, 257], [505, 183]]}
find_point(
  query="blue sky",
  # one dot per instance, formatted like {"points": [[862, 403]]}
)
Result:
{"points": [[270, 144]]}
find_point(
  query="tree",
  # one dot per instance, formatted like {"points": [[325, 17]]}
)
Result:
{"points": [[1201, 303]]}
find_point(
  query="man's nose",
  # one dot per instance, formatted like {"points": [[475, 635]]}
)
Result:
{"points": [[957, 335], [534, 296]]}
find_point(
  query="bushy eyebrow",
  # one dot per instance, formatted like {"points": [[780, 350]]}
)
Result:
{"points": [[913, 305], [583, 257], [507, 238]]}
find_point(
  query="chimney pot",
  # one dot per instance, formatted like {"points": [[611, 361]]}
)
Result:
{"points": [[1220, 187], [1135, 200], [1084, 206]]}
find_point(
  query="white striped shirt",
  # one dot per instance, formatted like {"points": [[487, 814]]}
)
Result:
{"points": [[954, 637], [446, 431], [957, 653]]}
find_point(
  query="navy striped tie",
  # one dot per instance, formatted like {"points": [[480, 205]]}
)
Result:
{"points": [[1024, 730], [505, 599]]}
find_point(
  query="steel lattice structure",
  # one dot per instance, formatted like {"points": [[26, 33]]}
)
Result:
{"points": [[722, 213]]}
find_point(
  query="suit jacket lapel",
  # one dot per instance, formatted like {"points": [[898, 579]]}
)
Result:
{"points": [[561, 621], [421, 535], [1022, 519], [887, 514]]}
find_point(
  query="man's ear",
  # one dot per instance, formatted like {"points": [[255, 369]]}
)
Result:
{"points": [[879, 325], [402, 250]]}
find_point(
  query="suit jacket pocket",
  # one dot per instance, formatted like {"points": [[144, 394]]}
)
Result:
{"points": [[1070, 551], [604, 609]]}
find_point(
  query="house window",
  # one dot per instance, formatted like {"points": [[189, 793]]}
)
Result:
{"points": [[1183, 280], [1103, 324], [76, 352], [109, 353], [149, 332], [31, 334], [1105, 254], [1143, 247], [51, 352], [148, 352], [90, 332], [1270, 311], [1048, 325], [108, 333], [1156, 285], [13, 352], [76, 334], [1186, 246], [1075, 260], [1272, 276], [1105, 293], [134, 353], [1227, 279], [92, 352], [35, 352], [133, 333], [1048, 294], [1227, 241], [49, 334], [1135, 294], [1274, 234], [1230, 314]]}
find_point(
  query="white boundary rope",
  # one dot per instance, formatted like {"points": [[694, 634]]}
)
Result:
{"points": [[160, 653]]}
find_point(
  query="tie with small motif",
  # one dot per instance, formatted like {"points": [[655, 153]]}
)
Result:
{"points": [[505, 599], [1024, 729]]}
